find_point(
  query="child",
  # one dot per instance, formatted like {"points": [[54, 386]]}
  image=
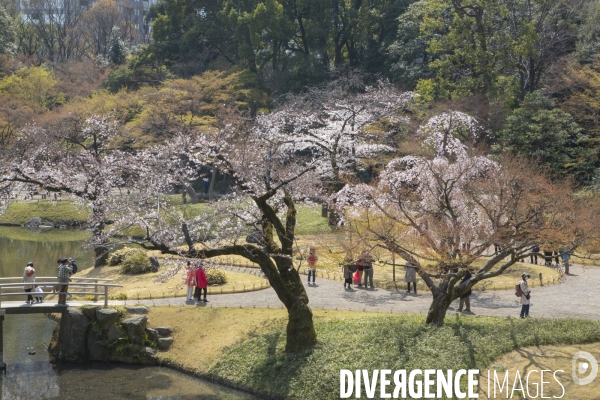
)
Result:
{"points": [[39, 294]]}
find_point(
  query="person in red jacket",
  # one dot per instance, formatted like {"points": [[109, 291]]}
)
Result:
{"points": [[201, 283]]}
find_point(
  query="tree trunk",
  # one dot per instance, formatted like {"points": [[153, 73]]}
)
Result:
{"points": [[301, 333], [211, 188], [193, 196], [101, 256], [438, 308]]}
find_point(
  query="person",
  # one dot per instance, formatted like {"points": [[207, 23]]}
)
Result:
{"points": [[359, 270], [206, 184], [73, 265], [465, 299], [29, 279], [367, 263], [312, 264], [565, 258], [547, 258], [348, 269], [190, 280], [64, 277], [201, 283], [525, 295], [411, 277], [533, 257], [443, 277], [39, 294]]}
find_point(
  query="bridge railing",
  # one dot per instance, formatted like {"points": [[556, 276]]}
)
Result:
{"points": [[78, 286]]}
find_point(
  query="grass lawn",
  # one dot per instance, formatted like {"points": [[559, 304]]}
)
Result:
{"points": [[387, 342], [57, 212], [202, 334], [142, 287]]}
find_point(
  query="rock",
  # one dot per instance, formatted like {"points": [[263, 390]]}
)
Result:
{"points": [[106, 317], [137, 310], [113, 333], [147, 355], [95, 349], [33, 223], [154, 264], [72, 339], [164, 331], [135, 326], [90, 312], [165, 343], [152, 334]]}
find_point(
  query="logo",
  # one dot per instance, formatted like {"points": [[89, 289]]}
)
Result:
{"points": [[580, 368]]}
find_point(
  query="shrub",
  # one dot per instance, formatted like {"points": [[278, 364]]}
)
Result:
{"points": [[216, 277], [117, 257], [135, 261], [118, 296]]}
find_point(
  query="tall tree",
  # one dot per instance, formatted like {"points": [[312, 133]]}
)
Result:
{"points": [[7, 33], [447, 210]]}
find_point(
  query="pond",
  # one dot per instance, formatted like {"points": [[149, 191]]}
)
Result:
{"points": [[18, 246], [30, 373]]}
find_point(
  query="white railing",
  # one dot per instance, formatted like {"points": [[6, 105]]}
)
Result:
{"points": [[80, 286]]}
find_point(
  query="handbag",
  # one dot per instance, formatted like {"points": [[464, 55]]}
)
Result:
{"points": [[356, 279]]}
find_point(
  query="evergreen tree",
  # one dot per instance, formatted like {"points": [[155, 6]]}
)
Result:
{"points": [[7, 33], [117, 52]]}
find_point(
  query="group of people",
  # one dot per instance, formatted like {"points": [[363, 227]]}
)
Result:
{"points": [[359, 272], [66, 268], [196, 282]]}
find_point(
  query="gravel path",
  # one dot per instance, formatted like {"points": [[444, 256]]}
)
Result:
{"points": [[576, 297]]}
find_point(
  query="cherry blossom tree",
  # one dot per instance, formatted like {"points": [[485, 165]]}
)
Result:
{"points": [[269, 185], [79, 161], [445, 211], [329, 123]]}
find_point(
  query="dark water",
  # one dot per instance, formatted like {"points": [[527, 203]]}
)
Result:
{"points": [[31, 376]]}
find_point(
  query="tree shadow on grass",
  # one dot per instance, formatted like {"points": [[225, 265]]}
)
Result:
{"points": [[275, 374]]}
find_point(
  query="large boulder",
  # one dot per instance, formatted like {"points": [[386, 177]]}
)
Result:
{"points": [[165, 343], [96, 350], [137, 310], [164, 331], [33, 223], [152, 334], [73, 332], [154, 264], [135, 326], [107, 316], [90, 312], [113, 333]]}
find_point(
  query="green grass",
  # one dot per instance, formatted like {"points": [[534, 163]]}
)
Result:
{"points": [[57, 212], [388, 342]]}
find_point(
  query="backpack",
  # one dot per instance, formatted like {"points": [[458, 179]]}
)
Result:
{"points": [[518, 291], [352, 267]]}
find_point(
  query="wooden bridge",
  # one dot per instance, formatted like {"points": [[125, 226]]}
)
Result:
{"points": [[91, 288]]}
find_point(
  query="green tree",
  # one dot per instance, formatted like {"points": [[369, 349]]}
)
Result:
{"points": [[496, 49], [117, 51], [549, 136], [7, 33]]}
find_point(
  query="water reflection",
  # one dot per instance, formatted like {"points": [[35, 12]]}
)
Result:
{"points": [[31, 376], [18, 246]]}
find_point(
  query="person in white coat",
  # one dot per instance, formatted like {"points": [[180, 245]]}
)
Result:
{"points": [[29, 280], [525, 296]]}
